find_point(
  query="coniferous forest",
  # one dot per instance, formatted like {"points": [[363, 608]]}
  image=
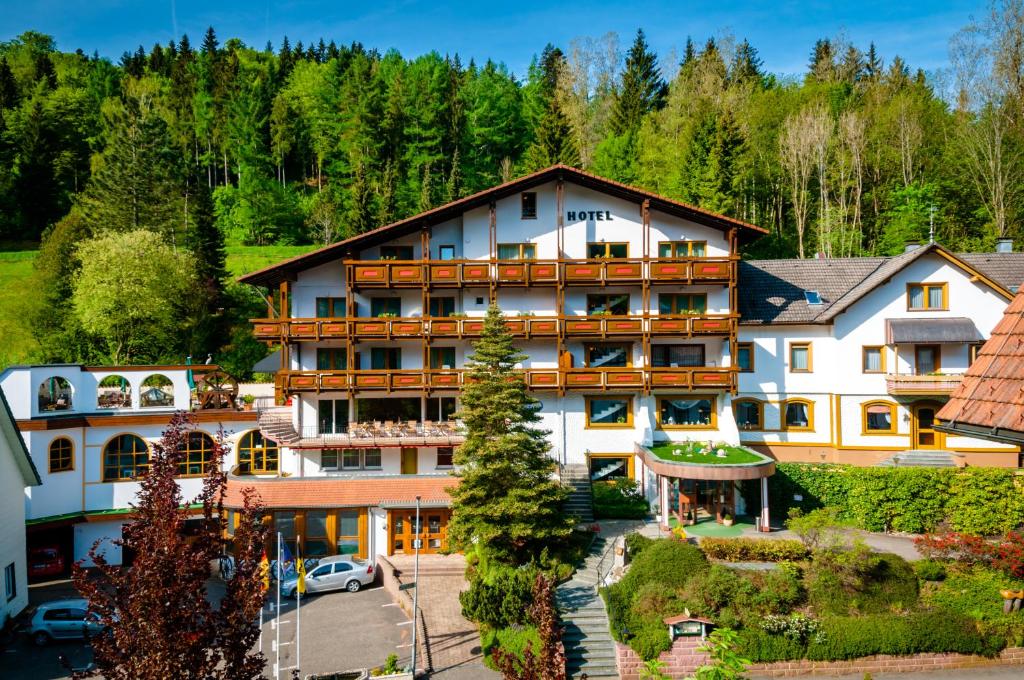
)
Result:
{"points": [[181, 148]]}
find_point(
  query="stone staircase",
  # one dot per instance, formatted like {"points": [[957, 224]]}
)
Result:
{"points": [[589, 647], [580, 501], [920, 458], [276, 425]]}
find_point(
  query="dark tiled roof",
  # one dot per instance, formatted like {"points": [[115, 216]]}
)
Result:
{"points": [[1006, 269]]}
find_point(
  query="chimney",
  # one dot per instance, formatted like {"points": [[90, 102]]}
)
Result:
{"points": [[911, 245], [1004, 245], [820, 255]]}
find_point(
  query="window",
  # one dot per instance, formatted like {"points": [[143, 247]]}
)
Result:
{"points": [[446, 252], [442, 306], [445, 456], [348, 532], [114, 391], [197, 455], [529, 205], [385, 358], [396, 252], [10, 582], [749, 413], [442, 357], [157, 392], [798, 414], [686, 413], [517, 251], [441, 409], [676, 356], [921, 296], [682, 249], [61, 457], [973, 350], [800, 357], [332, 416], [256, 454], [682, 303], [331, 358], [330, 307], [927, 359], [385, 307], [351, 459], [314, 540], [812, 297], [745, 356], [873, 359], [55, 394], [371, 459], [284, 522], [608, 356], [329, 459], [879, 417], [126, 456], [609, 412], [606, 468], [608, 304], [606, 250]]}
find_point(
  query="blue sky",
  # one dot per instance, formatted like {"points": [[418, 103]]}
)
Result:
{"points": [[783, 31]]}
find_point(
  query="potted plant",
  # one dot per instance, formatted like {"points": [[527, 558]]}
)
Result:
{"points": [[247, 402], [727, 519]]}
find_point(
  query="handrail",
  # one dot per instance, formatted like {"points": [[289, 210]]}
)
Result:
{"points": [[601, 562]]}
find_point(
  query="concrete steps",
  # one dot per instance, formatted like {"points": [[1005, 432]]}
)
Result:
{"points": [[580, 501], [589, 647], [920, 458]]}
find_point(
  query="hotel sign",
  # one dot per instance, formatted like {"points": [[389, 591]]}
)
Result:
{"points": [[593, 215]]}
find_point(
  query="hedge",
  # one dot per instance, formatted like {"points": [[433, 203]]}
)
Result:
{"points": [[983, 501], [753, 549]]}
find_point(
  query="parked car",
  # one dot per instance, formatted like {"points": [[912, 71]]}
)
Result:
{"points": [[336, 572], [45, 561], [63, 620]]}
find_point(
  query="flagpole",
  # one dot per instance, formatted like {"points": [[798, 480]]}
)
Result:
{"points": [[416, 585], [277, 639], [298, 603]]}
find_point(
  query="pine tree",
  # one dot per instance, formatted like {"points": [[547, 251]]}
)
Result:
{"points": [[8, 86], [689, 54], [204, 238], [746, 65], [873, 64], [507, 501], [210, 43], [822, 65], [642, 89]]}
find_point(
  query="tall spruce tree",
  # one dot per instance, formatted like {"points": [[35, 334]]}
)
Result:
{"points": [[508, 501], [643, 89]]}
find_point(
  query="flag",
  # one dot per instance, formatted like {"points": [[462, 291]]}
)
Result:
{"points": [[300, 569], [286, 562], [265, 571]]}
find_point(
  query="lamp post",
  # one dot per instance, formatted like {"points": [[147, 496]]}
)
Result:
{"points": [[416, 584]]}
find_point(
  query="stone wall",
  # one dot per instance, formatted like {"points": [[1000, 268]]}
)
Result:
{"points": [[683, 659]]}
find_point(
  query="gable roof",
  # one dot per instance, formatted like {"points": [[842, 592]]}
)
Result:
{"points": [[1005, 268], [989, 403], [274, 274], [779, 285], [9, 432]]}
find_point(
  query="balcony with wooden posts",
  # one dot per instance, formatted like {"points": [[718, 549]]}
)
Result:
{"points": [[538, 379], [560, 272], [524, 327], [937, 384]]}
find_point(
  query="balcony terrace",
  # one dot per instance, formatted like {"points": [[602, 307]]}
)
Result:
{"points": [[912, 385], [276, 424]]}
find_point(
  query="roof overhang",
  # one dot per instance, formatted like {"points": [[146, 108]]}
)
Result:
{"points": [[942, 330], [998, 434]]}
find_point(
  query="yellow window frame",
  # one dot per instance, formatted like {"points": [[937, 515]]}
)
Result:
{"points": [[713, 425], [893, 424], [610, 426]]}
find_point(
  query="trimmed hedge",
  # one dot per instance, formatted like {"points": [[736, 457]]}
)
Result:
{"points": [[511, 640], [982, 501], [619, 499], [753, 549]]}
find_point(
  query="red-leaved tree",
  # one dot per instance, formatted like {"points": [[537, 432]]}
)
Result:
{"points": [[549, 662], [161, 623], [1005, 554]]}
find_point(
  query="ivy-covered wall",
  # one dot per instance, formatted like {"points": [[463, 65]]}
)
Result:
{"points": [[983, 501]]}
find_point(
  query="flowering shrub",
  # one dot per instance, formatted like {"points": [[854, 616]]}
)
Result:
{"points": [[1005, 554], [797, 627]]}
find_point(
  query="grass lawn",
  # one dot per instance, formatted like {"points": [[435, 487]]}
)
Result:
{"points": [[245, 259], [691, 452], [712, 529]]}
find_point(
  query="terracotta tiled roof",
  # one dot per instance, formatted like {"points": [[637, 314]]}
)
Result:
{"points": [[327, 492], [989, 403]]}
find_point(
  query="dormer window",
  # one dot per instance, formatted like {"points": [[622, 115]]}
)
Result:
{"points": [[812, 297], [529, 203]]}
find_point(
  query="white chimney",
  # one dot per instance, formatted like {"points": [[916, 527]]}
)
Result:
{"points": [[1004, 245], [911, 245]]}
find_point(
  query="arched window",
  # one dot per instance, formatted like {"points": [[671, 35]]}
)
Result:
{"points": [[55, 394], [256, 454], [114, 391], [197, 455], [126, 456], [157, 391], [749, 414], [797, 414], [61, 457], [878, 417]]}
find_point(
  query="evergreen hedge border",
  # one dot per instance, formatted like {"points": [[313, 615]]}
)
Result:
{"points": [[981, 501]]}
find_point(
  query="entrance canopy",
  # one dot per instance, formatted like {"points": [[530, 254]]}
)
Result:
{"points": [[910, 331]]}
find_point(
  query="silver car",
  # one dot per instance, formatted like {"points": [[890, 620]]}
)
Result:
{"points": [[63, 620], [333, 573]]}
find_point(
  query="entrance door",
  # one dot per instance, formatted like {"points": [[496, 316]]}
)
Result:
{"points": [[926, 359], [409, 461], [433, 532], [925, 436]]}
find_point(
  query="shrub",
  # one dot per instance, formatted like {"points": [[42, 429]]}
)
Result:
{"points": [[672, 563], [636, 543], [753, 549], [501, 599], [1005, 554], [650, 641], [797, 627], [761, 646], [974, 592], [512, 640], [986, 501], [776, 591], [818, 529], [857, 580], [619, 499], [930, 570], [899, 499]]}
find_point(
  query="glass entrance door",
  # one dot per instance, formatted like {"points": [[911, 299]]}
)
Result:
{"points": [[432, 532], [925, 434]]}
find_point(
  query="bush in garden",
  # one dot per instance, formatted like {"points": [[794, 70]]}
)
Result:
{"points": [[715, 589], [819, 529], [619, 499], [857, 580], [776, 591], [797, 627], [499, 600], [986, 501], [672, 563], [974, 592], [899, 499], [636, 543], [1005, 554], [753, 549], [930, 570], [650, 640]]}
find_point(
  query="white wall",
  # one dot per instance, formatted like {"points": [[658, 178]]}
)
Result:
{"points": [[12, 530]]}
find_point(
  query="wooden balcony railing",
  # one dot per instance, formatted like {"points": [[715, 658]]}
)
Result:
{"points": [[582, 272], [599, 379], [682, 326], [909, 385]]}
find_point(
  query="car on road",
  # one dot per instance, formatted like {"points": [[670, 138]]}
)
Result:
{"points": [[337, 572], [45, 561], [63, 620]]}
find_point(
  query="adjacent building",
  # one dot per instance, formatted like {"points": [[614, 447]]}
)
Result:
{"points": [[16, 474]]}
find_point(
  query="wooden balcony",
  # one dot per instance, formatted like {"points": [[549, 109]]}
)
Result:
{"points": [[567, 272], [538, 379], [910, 385], [525, 327]]}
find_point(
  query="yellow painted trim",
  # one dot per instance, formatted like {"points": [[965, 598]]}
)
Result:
{"points": [[750, 347], [630, 461], [522, 247], [689, 247], [893, 422], [810, 356], [714, 412], [253, 468], [810, 415], [610, 426], [864, 358], [49, 455], [103, 456], [764, 443], [925, 287], [971, 270], [607, 245], [760, 413], [1015, 449]]}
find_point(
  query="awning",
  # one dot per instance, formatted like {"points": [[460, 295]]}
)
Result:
{"points": [[268, 364], [950, 329]]}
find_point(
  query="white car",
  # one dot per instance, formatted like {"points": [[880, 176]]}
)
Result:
{"points": [[63, 620], [337, 572]]}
